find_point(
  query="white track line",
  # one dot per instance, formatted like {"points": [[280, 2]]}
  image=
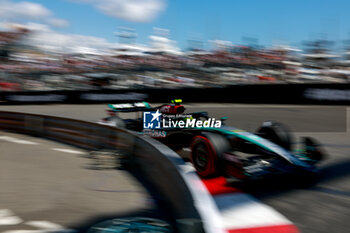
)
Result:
{"points": [[68, 151], [49, 227], [244, 211], [44, 225], [7, 218], [41, 231], [16, 140], [11, 220], [26, 231]]}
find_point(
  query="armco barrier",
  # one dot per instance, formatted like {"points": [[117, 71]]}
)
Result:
{"points": [[251, 93], [183, 194]]}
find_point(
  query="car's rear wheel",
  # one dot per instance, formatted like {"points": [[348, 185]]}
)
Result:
{"points": [[277, 133]]}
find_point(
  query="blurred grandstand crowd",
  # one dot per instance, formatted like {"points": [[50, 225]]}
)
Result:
{"points": [[27, 67]]}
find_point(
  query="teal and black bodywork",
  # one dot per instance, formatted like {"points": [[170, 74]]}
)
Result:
{"points": [[236, 153]]}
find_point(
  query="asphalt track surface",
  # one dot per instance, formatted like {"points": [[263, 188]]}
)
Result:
{"points": [[46, 185], [321, 207]]}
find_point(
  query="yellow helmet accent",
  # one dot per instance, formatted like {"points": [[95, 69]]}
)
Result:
{"points": [[176, 101]]}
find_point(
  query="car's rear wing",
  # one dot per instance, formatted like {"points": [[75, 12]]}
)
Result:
{"points": [[130, 107]]}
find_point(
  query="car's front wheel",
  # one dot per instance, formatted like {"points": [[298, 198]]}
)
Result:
{"points": [[206, 152], [203, 156]]}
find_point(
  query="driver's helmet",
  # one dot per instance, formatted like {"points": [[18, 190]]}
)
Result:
{"points": [[174, 108], [176, 101]]}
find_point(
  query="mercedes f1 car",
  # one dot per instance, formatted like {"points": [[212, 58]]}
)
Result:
{"points": [[227, 150]]}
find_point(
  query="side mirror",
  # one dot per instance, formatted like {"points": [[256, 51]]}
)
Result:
{"points": [[223, 119]]}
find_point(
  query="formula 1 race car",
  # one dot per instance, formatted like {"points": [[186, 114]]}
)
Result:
{"points": [[229, 151]]}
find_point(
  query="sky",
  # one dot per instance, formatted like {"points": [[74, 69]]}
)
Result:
{"points": [[265, 22]]}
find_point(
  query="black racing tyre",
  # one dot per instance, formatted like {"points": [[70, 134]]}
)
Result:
{"points": [[277, 133], [206, 152]]}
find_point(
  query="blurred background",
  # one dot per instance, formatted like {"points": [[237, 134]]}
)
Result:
{"points": [[118, 44], [202, 51]]}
